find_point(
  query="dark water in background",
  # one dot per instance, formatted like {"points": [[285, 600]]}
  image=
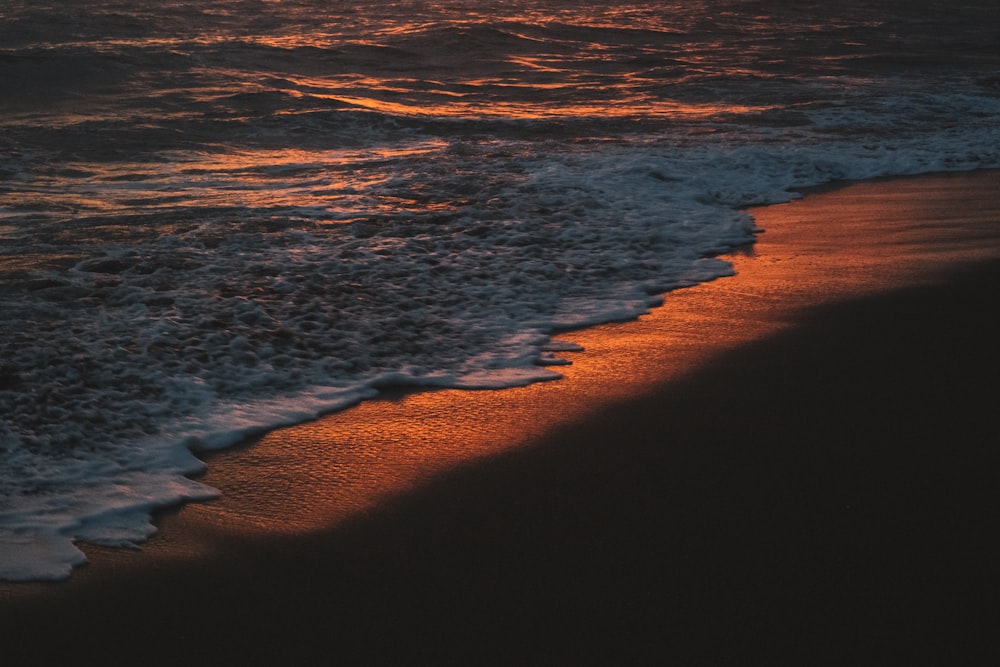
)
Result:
{"points": [[217, 217]]}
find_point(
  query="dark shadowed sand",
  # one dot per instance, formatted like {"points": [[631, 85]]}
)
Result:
{"points": [[792, 466]]}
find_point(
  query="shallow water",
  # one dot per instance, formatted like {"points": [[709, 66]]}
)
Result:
{"points": [[218, 217]]}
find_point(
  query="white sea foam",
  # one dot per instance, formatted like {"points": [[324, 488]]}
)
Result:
{"points": [[186, 346]]}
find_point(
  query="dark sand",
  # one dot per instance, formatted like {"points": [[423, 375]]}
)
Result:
{"points": [[793, 466]]}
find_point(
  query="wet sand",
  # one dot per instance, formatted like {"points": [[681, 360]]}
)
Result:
{"points": [[793, 465]]}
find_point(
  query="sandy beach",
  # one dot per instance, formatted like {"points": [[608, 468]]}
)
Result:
{"points": [[790, 466]]}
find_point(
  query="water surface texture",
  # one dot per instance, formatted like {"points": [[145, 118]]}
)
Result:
{"points": [[217, 217]]}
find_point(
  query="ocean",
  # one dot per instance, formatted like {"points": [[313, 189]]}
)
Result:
{"points": [[222, 216]]}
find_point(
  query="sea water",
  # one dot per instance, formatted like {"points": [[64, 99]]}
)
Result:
{"points": [[221, 216]]}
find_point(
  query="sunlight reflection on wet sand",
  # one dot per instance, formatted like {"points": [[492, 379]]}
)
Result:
{"points": [[850, 242]]}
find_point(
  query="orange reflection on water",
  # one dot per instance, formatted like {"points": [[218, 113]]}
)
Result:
{"points": [[322, 180], [615, 108]]}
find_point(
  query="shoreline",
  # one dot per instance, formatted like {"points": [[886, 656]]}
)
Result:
{"points": [[523, 506], [792, 268]]}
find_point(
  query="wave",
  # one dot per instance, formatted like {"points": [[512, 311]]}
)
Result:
{"points": [[219, 325]]}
